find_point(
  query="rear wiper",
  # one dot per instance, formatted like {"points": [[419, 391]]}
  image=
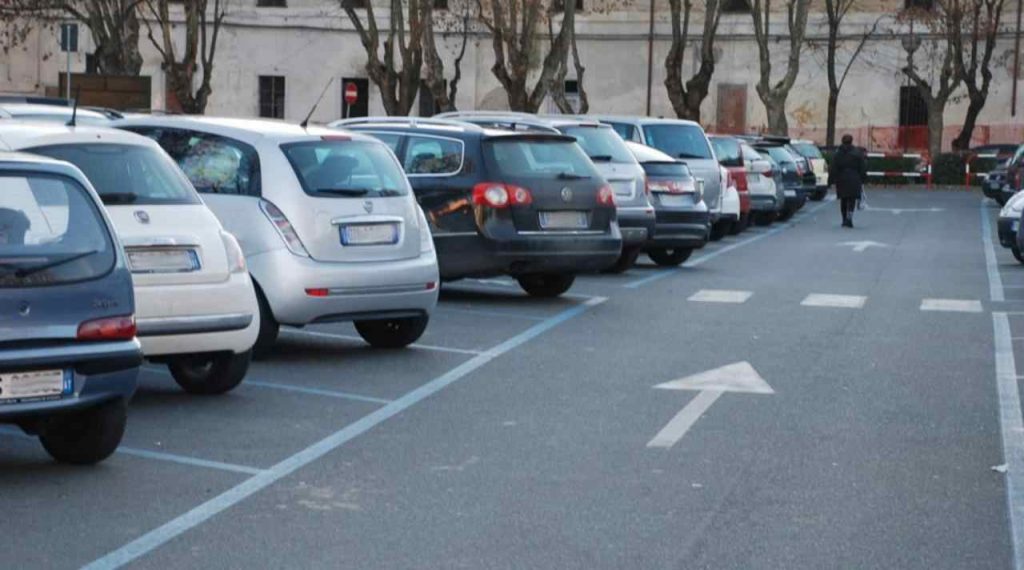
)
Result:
{"points": [[571, 176], [601, 158], [26, 271], [119, 197], [343, 191]]}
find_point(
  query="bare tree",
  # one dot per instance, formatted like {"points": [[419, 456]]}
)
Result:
{"points": [[774, 95], [558, 94], [943, 54], [976, 58], [114, 26], [686, 99], [516, 27], [433, 76], [398, 85], [18, 18], [835, 12], [201, 34]]}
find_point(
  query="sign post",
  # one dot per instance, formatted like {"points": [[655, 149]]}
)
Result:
{"points": [[351, 94], [68, 44]]}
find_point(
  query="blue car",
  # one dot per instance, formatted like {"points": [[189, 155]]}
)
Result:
{"points": [[69, 359]]}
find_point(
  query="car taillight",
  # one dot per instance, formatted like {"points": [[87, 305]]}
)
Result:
{"points": [[647, 186], [284, 228], [110, 328], [670, 186], [498, 195], [768, 173], [236, 259], [741, 181], [606, 196]]}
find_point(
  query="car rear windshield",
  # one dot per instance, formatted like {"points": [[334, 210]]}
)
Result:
{"points": [[127, 174], [537, 158], [51, 232], [678, 141], [778, 153], [727, 151], [345, 169], [667, 170], [807, 150], [601, 144]]}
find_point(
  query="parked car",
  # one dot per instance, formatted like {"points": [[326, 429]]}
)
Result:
{"points": [[817, 164], [51, 111], [326, 219], [1014, 177], [684, 140], [730, 206], [1001, 151], [610, 156], [682, 223], [767, 199], [994, 184], [68, 354], [784, 164], [500, 202], [1008, 225], [730, 156], [196, 310]]}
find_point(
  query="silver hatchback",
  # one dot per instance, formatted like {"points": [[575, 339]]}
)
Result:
{"points": [[327, 220]]}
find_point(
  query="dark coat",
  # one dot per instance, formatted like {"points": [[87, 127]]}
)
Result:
{"points": [[847, 172]]}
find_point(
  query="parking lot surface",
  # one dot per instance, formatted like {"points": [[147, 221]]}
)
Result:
{"points": [[869, 390]]}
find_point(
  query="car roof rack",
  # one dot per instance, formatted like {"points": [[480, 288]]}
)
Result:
{"points": [[411, 121], [510, 123]]}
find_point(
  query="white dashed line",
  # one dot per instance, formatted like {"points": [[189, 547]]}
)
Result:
{"points": [[951, 305], [840, 301], [720, 296]]}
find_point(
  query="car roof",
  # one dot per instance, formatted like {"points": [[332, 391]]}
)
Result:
{"points": [[440, 127], [552, 120], [17, 135], [644, 153], [643, 120], [14, 110], [248, 130]]}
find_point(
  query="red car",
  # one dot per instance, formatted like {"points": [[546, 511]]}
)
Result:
{"points": [[729, 155]]}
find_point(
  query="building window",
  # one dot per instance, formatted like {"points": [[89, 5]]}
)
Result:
{"points": [[736, 6], [272, 96], [271, 3], [559, 6], [918, 4]]}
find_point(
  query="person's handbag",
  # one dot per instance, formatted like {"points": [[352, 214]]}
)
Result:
{"points": [[862, 203]]}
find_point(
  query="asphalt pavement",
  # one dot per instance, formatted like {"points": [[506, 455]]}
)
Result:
{"points": [[798, 396]]}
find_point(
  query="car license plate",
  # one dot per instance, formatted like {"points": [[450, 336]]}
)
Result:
{"points": [[369, 234], [34, 385], [673, 199], [790, 193], [162, 260], [568, 220], [623, 188]]}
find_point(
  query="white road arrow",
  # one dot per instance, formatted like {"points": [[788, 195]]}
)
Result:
{"points": [[738, 377], [860, 246]]}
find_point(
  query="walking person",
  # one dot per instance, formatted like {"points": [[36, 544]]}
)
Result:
{"points": [[847, 175]]}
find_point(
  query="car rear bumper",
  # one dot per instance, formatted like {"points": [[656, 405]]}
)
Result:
{"points": [[680, 229], [636, 224], [191, 318], [763, 203], [349, 291], [99, 372], [1007, 233]]}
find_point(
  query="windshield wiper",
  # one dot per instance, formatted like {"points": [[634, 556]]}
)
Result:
{"points": [[571, 176], [601, 158], [26, 271], [687, 155], [343, 191], [119, 197]]}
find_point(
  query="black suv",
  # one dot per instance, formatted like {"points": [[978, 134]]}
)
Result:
{"points": [[526, 204]]}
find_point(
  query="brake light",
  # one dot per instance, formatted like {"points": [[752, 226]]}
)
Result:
{"points": [[318, 292], [284, 228], [499, 195], [236, 259], [768, 173], [647, 186], [667, 187], [606, 196], [110, 328]]}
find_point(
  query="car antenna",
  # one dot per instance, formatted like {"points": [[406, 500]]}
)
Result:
{"points": [[305, 122], [74, 108]]}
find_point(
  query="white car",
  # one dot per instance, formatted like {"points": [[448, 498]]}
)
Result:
{"points": [[730, 204], [195, 305], [327, 220], [766, 198], [1009, 225]]}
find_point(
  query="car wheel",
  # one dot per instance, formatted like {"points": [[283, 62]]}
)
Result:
{"points": [[210, 374], [720, 230], [546, 284], [625, 261], [88, 436], [1017, 254], [669, 257], [741, 225], [269, 327], [392, 333], [819, 195], [764, 218]]}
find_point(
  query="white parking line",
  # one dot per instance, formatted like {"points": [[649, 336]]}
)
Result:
{"points": [[839, 301], [995, 281], [720, 296], [315, 391], [1011, 427], [162, 535], [353, 337], [951, 305]]}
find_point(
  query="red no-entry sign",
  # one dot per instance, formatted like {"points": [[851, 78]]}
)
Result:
{"points": [[351, 93]]}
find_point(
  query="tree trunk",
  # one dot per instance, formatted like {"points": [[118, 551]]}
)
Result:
{"points": [[974, 107], [120, 55], [830, 68], [775, 108], [935, 124], [830, 120]]}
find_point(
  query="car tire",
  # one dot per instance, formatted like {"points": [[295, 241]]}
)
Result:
{"points": [[720, 230], [210, 374], [669, 257], [1017, 254], [741, 225], [625, 261], [269, 327], [88, 436], [764, 218], [819, 195], [392, 333], [546, 285]]}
